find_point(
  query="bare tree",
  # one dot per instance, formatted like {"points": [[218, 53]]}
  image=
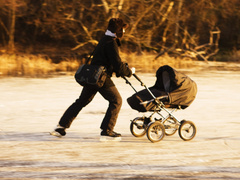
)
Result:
{"points": [[184, 28], [12, 19]]}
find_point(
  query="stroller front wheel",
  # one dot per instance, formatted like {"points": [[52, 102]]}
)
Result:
{"points": [[137, 127], [187, 130], [155, 132]]}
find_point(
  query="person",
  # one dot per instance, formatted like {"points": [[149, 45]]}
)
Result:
{"points": [[106, 53]]}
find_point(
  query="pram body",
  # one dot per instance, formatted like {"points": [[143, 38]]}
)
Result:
{"points": [[179, 89], [173, 90]]}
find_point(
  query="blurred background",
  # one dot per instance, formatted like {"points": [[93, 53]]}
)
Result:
{"points": [[44, 37], [49, 38]]}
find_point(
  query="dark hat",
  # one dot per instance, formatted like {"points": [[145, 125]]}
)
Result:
{"points": [[116, 25]]}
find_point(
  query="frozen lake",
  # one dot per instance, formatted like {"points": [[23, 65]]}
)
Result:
{"points": [[30, 108]]}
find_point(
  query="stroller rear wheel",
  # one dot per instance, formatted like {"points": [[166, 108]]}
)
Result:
{"points": [[187, 130], [171, 126], [138, 127], [155, 132]]}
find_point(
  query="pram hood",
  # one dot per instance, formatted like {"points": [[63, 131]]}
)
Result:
{"points": [[180, 88]]}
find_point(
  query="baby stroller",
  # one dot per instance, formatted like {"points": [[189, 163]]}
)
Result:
{"points": [[172, 91]]}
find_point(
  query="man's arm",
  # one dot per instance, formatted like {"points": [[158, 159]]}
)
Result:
{"points": [[120, 68]]}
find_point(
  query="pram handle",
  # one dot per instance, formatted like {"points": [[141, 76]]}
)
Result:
{"points": [[128, 82], [142, 84]]}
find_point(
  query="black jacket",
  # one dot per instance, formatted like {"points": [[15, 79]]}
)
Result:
{"points": [[107, 54]]}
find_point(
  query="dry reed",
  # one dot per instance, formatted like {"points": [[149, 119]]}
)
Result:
{"points": [[148, 63], [33, 66], [40, 66]]}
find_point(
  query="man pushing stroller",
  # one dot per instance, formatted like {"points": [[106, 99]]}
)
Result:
{"points": [[106, 54]]}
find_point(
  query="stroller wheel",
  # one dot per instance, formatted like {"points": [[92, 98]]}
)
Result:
{"points": [[137, 127], [155, 132], [187, 130], [171, 126]]}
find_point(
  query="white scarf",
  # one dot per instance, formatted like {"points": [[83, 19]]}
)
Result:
{"points": [[109, 33]]}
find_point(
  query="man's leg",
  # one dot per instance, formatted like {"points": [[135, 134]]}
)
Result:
{"points": [[115, 102], [71, 113]]}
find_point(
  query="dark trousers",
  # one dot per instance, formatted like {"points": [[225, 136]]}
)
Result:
{"points": [[110, 93]]}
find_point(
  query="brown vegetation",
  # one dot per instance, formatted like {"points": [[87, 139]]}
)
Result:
{"points": [[41, 66], [38, 66]]}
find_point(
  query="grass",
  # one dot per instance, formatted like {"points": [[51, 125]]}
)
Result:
{"points": [[33, 66], [147, 62], [41, 66]]}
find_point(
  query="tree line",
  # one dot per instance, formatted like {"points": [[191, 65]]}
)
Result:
{"points": [[191, 28]]}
